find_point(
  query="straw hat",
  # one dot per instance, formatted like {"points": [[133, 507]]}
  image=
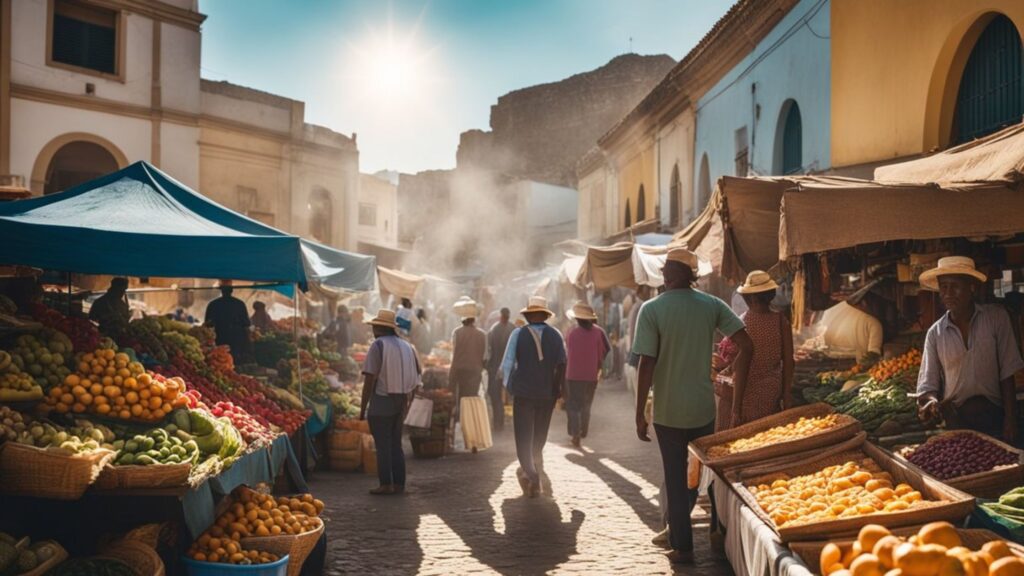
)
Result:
{"points": [[466, 307], [757, 281], [684, 256], [582, 311], [950, 265], [385, 318], [537, 304]]}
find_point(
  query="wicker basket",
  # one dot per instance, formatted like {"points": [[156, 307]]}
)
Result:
{"points": [[428, 447], [45, 567], [142, 559], [990, 484], [845, 429], [810, 552], [153, 476], [950, 503], [42, 473], [296, 546], [344, 440]]}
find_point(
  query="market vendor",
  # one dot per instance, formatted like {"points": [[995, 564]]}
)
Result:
{"points": [[261, 320], [850, 330], [111, 310], [970, 356], [229, 319]]}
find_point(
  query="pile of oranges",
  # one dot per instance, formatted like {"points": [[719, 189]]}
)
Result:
{"points": [[255, 514], [886, 369], [109, 384]]}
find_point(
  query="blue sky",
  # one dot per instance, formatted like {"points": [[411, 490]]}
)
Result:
{"points": [[409, 76]]}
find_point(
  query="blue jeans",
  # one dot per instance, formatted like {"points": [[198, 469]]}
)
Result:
{"points": [[577, 406], [387, 435], [531, 418]]}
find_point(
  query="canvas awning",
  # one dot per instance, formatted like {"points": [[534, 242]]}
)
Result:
{"points": [[998, 157], [626, 265], [398, 283], [139, 221]]}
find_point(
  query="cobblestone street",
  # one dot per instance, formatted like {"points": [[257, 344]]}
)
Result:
{"points": [[465, 514]]}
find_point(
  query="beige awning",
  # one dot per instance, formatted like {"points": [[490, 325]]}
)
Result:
{"points": [[400, 284], [994, 158]]}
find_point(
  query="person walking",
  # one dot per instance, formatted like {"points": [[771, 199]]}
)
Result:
{"points": [[391, 374], [769, 385], [674, 338], [469, 346], [230, 321], [586, 346], [497, 341], [338, 330], [533, 370]]}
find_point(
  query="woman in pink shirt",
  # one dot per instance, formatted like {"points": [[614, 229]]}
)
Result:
{"points": [[586, 346]]}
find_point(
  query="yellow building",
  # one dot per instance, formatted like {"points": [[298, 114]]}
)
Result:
{"points": [[913, 76]]}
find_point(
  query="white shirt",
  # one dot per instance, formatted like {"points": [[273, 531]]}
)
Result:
{"points": [[849, 332]]}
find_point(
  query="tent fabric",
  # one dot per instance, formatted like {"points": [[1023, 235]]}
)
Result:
{"points": [[334, 268], [570, 269], [139, 221], [994, 158], [831, 213], [399, 284], [608, 266]]}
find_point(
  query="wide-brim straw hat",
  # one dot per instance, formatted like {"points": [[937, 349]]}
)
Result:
{"points": [[385, 318], [537, 304], [758, 281], [948, 266], [582, 311], [466, 307], [683, 255]]}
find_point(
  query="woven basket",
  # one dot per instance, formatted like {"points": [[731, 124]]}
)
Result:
{"points": [[990, 484], [142, 559], [427, 447], [949, 503], [810, 552], [45, 567], [345, 460], [42, 473], [153, 476], [344, 440], [296, 546], [845, 429]]}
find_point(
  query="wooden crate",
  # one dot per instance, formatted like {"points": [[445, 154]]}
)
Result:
{"points": [[991, 484], [950, 504], [848, 427]]}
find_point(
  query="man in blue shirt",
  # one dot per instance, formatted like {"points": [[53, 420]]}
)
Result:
{"points": [[534, 373]]}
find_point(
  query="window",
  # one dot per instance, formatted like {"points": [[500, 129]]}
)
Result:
{"points": [[742, 158], [629, 217], [75, 163], [84, 36], [991, 94], [792, 139], [674, 191], [641, 205], [703, 185], [321, 211], [367, 214]]}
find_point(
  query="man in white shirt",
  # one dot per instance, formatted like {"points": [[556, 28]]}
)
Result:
{"points": [[850, 332]]}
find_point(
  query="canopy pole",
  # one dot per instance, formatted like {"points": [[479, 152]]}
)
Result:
{"points": [[69, 295], [295, 334]]}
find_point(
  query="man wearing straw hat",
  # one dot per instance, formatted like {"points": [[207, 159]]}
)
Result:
{"points": [[586, 346], [534, 372], [391, 375], [674, 338], [469, 346], [970, 356]]}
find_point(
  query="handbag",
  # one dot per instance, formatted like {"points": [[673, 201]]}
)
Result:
{"points": [[420, 413]]}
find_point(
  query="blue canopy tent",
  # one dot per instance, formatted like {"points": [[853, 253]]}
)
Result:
{"points": [[139, 221]]}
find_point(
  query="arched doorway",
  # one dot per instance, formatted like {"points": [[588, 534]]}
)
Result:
{"points": [[629, 216], [75, 163], [789, 150], [641, 205], [703, 185], [991, 91], [321, 215], [674, 191]]}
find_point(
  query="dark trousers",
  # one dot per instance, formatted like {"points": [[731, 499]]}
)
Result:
{"points": [[531, 419], [495, 393], [674, 459], [976, 413], [387, 435], [577, 406]]}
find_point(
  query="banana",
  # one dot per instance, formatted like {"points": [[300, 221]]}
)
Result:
{"points": [[5, 360]]}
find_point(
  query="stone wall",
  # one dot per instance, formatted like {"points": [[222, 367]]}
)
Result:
{"points": [[539, 133]]}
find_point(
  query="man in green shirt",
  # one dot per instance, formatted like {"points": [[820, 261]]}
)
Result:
{"points": [[674, 338]]}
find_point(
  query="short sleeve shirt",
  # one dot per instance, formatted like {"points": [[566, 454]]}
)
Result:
{"points": [[678, 328]]}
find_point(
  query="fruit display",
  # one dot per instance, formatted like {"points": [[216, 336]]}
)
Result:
{"points": [[884, 408], [1009, 506], [92, 567], [219, 358], [910, 361], [109, 384], [158, 446], [252, 431], [83, 334], [254, 514], [15, 385], [12, 423], [43, 357], [936, 549], [273, 347], [839, 491], [957, 454], [84, 436], [20, 556], [796, 430]]}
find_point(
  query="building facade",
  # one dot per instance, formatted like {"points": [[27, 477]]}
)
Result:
{"points": [[89, 86]]}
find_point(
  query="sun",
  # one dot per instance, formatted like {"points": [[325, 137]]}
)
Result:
{"points": [[391, 66]]}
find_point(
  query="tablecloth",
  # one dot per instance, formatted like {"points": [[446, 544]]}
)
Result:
{"points": [[752, 547]]}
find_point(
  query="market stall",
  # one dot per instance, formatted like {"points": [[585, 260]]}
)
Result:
{"points": [[160, 420]]}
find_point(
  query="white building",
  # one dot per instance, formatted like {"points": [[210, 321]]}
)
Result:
{"points": [[377, 220]]}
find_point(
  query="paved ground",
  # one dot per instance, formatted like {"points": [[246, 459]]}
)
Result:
{"points": [[465, 514]]}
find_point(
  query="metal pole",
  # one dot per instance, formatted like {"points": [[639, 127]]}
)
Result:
{"points": [[295, 334]]}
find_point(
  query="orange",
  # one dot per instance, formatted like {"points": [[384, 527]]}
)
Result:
{"points": [[136, 410], [107, 381], [85, 383], [118, 381], [56, 392], [166, 408], [85, 399], [67, 399], [96, 389], [147, 415], [118, 400], [145, 379], [99, 400], [131, 383], [78, 408], [61, 407], [155, 403], [111, 391], [72, 380], [109, 354], [158, 414], [78, 391], [103, 409], [124, 373], [124, 413], [144, 393], [110, 371], [132, 397], [97, 369], [83, 367]]}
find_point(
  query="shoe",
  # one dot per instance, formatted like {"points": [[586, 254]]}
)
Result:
{"points": [[385, 490], [576, 442], [679, 557], [661, 539]]}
